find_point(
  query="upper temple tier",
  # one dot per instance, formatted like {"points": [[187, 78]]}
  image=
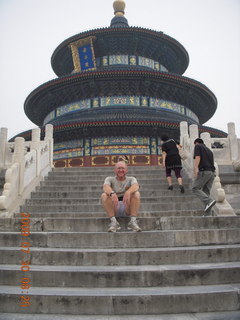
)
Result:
{"points": [[122, 84]]}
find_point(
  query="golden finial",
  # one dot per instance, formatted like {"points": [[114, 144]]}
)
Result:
{"points": [[119, 6]]}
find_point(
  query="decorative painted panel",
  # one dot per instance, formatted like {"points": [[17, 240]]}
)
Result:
{"points": [[120, 101], [120, 141], [95, 103], [68, 144], [105, 61], [76, 162], [87, 147], [159, 103], [64, 154], [191, 114], [125, 101], [119, 59], [153, 146], [105, 150], [86, 57], [130, 60], [83, 54], [60, 163], [82, 104], [49, 117], [144, 101], [102, 161], [141, 160], [133, 60], [145, 62]]}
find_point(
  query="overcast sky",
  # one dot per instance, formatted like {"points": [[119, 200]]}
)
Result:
{"points": [[30, 30]]}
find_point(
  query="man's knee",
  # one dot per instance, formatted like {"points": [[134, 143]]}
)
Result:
{"points": [[195, 188], [104, 197], [135, 196]]}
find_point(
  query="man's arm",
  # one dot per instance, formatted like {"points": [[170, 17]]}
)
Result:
{"points": [[196, 165], [107, 189], [113, 196], [127, 194], [164, 154]]}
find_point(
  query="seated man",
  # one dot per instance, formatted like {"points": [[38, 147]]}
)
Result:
{"points": [[121, 196]]}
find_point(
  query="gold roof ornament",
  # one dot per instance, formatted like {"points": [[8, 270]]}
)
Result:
{"points": [[119, 6]]}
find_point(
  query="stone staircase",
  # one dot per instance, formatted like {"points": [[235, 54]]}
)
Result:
{"points": [[230, 180], [182, 266]]}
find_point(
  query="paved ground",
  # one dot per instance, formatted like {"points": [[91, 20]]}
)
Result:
{"points": [[235, 315]]}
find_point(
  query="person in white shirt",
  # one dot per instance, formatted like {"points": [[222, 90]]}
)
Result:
{"points": [[121, 197]]}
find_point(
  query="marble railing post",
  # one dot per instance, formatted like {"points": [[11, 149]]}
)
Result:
{"points": [[234, 147], [35, 145], [222, 206], [49, 137], [3, 147], [185, 142], [18, 157], [183, 132], [207, 139], [233, 141], [193, 134]]}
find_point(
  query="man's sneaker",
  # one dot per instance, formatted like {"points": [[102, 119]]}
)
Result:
{"points": [[114, 226], [133, 225], [209, 205], [170, 187], [181, 188], [207, 213]]}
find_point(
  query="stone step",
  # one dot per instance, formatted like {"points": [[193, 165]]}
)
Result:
{"points": [[143, 214], [148, 239], [103, 174], [122, 301], [152, 182], [131, 169], [123, 256], [93, 224], [79, 207], [124, 276], [146, 193], [56, 187], [229, 315], [90, 199], [100, 179]]}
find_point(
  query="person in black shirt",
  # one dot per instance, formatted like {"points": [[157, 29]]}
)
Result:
{"points": [[204, 174], [171, 160]]}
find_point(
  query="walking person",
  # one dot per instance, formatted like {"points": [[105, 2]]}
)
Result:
{"points": [[171, 160], [204, 174], [121, 197]]}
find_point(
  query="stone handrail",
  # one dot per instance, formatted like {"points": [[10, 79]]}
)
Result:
{"points": [[30, 162], [231, 154]]}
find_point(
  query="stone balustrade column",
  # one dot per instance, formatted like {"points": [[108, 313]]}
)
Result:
{"points": [[3, 146], [49, 137], [183, 131], [233, 143], [194, 134], [35, 145], [35, 139], [18, 157], [49, 131], [205, 136]]}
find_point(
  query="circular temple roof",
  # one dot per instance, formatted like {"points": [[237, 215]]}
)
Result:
{"points": [[65, 90], [121, 40]]}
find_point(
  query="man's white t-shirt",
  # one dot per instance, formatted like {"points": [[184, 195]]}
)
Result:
{"points": [[120, 186]]}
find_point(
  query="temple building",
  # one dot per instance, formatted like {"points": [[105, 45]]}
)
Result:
{"points": [[119, 88]]}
